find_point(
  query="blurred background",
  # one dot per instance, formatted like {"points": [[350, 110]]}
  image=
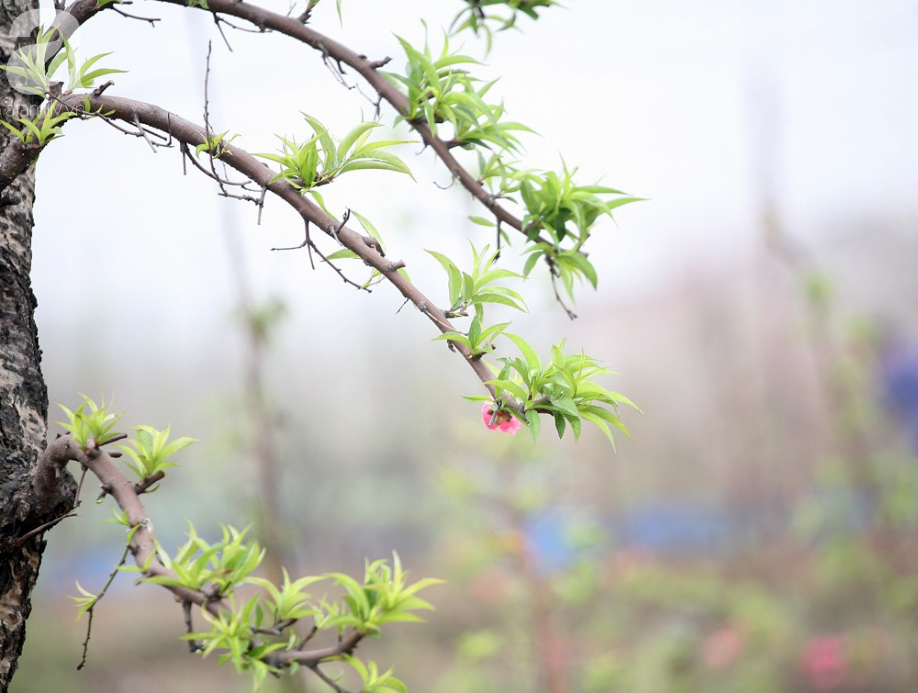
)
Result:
{"points": [[757, 533]]}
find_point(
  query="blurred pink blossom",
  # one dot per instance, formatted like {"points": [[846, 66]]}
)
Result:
{"points": [[824, 662], [722, 648], [505, 421]]}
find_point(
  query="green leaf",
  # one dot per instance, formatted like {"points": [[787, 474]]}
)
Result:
{"points": [[532, 417], [560, 424], [490, 297], [509, 386], [532, 359], [530, 262], [455, 337], [455, 276], [325, 140], [566, 405], [475, 330], [344, 254], [350, 138], [383, 161], [598, 421]]}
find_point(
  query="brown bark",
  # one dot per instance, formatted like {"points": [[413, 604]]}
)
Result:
{"points": [[23, 396]]}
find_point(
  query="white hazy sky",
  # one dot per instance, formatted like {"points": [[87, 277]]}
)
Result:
{"points": [[698, 106]]}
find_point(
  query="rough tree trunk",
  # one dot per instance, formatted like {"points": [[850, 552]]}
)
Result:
{"points": [[23, 396]]}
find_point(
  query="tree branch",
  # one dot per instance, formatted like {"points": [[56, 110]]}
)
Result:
{"points": [[143, 542], [131, 111], [46, 480], [17, 156], [368, 69]]}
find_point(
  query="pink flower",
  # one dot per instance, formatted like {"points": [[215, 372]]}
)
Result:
{"points": [[824, 662], [505, 422]]}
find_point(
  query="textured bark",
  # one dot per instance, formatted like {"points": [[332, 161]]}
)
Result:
{"points": [[23, 396]]}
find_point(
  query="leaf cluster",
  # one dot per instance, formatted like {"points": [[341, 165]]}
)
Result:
{"points": [[85, 602], [320, 160], [478, 18], [441, 93], [566, 212], [215, 144], [475, 289], [214, 569], [478, 340], [247, 633], [559, 212], [91, 424], [565, 387], [290, 601], [231, 632], [372, 681], [32, 67], [383, 597], [31, 70], [40, 130], [150, 451]]}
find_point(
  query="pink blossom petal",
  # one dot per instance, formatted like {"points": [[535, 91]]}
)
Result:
{"points": [[511, 425], [504, 422]]}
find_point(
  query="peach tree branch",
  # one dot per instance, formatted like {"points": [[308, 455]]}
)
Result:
{"points": [[131, 111], [267, 20], [143, 546]]}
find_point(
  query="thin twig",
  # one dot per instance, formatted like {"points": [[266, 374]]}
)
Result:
{"points": [[261, 203], [335, 229], [307, 243], [193, 645], [151, 20], [309, 637], [335, 55], [554, 285], [359, 287], [114, 439], [327, 679], [277, 629], [48, 525], [213, 175], [41, 528], [217, 21], [142, 132], [92, 609], [143, 486], [243, 162]]}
